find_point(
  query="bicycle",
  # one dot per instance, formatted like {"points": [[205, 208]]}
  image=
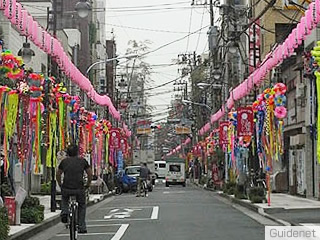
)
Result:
{"points": [[144, 187], [73, 223], [255, 179]]}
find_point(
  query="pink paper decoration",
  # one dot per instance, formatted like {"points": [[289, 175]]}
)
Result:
{"points": [[29, 26], [17, 15], [23, 22], [48, 43], [3, 4], [10, 9]]}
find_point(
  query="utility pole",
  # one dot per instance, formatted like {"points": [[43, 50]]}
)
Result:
{"points": [[53, 71]]}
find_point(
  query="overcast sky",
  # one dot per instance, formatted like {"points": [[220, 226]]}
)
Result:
{"points": [[161, 22]]}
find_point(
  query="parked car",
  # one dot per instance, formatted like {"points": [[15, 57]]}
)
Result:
{"points": [[134, 171], [160, 169]]}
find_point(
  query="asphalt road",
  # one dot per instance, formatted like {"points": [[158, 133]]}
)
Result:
{"points": [[174, 213]]}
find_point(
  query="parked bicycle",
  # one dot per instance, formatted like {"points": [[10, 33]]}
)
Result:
{"points": [[255, 179]]}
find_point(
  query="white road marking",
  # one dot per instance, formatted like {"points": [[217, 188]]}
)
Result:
{"points": [[119, 219], [155, 212], [120, 232], [114, 210], [105, 225], [129, 207], [124, 214], [176, 192], [87, 234]]}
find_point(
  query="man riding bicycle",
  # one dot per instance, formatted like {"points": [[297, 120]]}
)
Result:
{"points": [[143, 177], [73, 168]]}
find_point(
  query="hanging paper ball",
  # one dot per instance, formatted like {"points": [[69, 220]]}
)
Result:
{"points": [[280, 88], [260, 97], [280, 100], [280, 112], [268, 168], [235, 114], [94, 117], [255, 106]]}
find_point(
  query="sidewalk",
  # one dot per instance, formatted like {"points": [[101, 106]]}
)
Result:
{"points": [[285, 209], [24, 231]]}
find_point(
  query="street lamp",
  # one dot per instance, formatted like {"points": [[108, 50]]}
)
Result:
{"points": [[213, 86], [233, 47], [83, 8], [217, 74], [26, 52], [110, 60], [122, 83], [195, 103]]}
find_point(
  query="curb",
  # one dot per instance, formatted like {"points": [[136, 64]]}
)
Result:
{"points": [[254, 208], [37, 228], [257, 209]]}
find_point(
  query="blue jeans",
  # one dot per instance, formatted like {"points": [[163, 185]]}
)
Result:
{"points": [[81, 199]]}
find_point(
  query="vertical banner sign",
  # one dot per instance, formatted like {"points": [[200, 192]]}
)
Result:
{"points": [[119, 161], [244, 121], [124, 145], [223, 133], [114, 140], [254, 45]]}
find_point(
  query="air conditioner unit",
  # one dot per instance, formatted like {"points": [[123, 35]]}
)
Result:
{"points": [[300, 90]]}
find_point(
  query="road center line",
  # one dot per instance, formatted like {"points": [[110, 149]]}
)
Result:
{"points": [[120, 232], [155, 212]]}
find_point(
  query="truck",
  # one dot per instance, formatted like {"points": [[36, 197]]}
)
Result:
{"points": [[144, 156], [176, 171]]}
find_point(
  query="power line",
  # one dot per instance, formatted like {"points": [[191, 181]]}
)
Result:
{"points": [[190, 23], [177, 40], [150, 9], [200, 31], [147, 6], [143, 29]]}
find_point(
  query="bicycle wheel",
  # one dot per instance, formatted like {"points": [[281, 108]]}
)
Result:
{"points": [[145, 189], [73, 223]]}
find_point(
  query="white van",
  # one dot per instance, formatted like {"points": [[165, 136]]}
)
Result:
{"points": [[176, 172], [160, 169]]}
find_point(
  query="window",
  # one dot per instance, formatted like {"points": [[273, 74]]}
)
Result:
{"points": [[174, 168], [132, 171], [162, 165]]}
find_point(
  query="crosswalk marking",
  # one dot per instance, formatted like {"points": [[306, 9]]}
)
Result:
{"points": [[120, 232]]}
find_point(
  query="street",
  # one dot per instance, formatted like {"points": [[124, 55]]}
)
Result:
{"points": [[167, 213]]}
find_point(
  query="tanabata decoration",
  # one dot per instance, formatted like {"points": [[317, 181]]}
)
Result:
{"points": [[270, 111], [307, 23], [37, 111], [29, 27], [316, 55]]}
